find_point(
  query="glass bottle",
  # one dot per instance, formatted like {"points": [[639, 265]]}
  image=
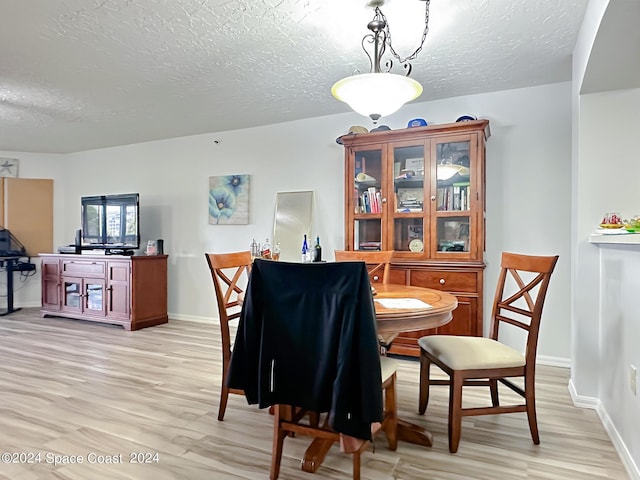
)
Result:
{"points": [[254, 249], [317, 254], [266, 249], [275, 254], [305, 250]]}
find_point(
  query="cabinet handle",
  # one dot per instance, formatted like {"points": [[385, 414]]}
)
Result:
{"points": [[433, 198], [384, 200], [442, 281], [376, 278]]}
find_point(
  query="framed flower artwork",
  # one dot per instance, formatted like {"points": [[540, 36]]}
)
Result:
{"points": [[229, 200]]}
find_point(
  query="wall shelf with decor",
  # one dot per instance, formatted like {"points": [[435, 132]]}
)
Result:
{"points": [[429, 196]]}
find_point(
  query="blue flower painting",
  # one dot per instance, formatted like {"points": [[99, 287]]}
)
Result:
{"points": [[229, 200]]}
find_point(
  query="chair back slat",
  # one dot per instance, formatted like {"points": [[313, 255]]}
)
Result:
{"points": [[226, 271], [530, 276], [377, 261]]}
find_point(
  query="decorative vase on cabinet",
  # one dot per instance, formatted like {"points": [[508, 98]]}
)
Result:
{"points": [[421, 192]]}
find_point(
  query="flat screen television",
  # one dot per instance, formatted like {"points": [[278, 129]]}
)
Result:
{"points": [[111, 222]]}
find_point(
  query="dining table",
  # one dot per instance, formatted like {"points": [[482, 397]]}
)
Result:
{"points": [[405, 308]]}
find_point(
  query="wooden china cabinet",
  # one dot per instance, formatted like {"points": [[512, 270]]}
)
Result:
{"points": [[421, 192]]}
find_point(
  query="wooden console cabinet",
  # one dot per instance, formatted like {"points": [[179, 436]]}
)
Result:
{"points": [[124, 290], [421, 192]]}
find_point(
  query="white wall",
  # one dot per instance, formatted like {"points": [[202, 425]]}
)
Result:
{"points": [[528, 180], [610, 330], [585, 328], [619, 407]]}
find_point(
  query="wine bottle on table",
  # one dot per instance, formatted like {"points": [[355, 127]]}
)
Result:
{"points": [[317, 255], [305, 250]]}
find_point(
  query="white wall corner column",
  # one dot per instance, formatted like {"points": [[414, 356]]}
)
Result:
{"points": [[619, 348]]}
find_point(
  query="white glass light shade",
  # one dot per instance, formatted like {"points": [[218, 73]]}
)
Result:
{"points": [[376, 95], [446, 171]]}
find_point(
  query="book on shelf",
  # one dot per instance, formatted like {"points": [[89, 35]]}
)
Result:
{"points": [[371, 201], [370, 246], [453, 198]]}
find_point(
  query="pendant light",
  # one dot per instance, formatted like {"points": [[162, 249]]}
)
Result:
{"points": [[381, 93]]}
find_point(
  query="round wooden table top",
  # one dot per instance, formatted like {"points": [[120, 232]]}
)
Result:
{"points": [[396, 320]]}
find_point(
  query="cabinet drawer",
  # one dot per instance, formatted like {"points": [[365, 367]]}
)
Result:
{"points": [[447, 281], [84, 268]]}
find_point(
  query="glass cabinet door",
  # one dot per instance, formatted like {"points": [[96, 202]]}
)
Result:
{"points": [[84, 296], [72, 299], [409, 197], [94, 294], [368, 201], [454, 196]]}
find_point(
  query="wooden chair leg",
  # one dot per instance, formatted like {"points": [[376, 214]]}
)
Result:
{"points": [[423, 398], [530, 400], [224, 396], [455, 413], [356, 466], [391, 409], [493, 387], [278, 441]]}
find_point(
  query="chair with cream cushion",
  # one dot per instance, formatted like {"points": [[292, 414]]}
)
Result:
{"points": [[472, 361], [378, 262]]}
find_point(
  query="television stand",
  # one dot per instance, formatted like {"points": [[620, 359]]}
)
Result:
{"points": [[123, 290]]}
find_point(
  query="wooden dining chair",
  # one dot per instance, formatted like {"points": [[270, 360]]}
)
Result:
{"points": [[309, 348], [378, 262], [227, 270], [472, 361]]}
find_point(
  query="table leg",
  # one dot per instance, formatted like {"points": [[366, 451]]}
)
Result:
{"points": [[9, 267], [412, 433]]}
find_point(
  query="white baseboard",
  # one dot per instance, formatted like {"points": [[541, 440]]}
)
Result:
{"points": [[609, 427], [194, 318], [553, 361], [24, 304], [619, 445]]}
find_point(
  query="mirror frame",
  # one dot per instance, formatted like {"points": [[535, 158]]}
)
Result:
{"points": [[292, 220]]}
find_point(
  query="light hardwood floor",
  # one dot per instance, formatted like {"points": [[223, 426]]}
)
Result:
{"points": [[74, 388]]}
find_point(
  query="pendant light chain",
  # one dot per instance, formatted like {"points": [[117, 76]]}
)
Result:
{"points": [[414, 55]]}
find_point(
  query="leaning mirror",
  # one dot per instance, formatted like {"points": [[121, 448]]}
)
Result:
{"points": [[292, 220]]}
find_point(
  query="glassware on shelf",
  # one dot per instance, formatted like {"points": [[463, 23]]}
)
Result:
{"points": [[152, 248], [275, 254], [611, 220]]}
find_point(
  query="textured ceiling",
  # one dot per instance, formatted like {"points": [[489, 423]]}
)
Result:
{"points": [[83, 74]]}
